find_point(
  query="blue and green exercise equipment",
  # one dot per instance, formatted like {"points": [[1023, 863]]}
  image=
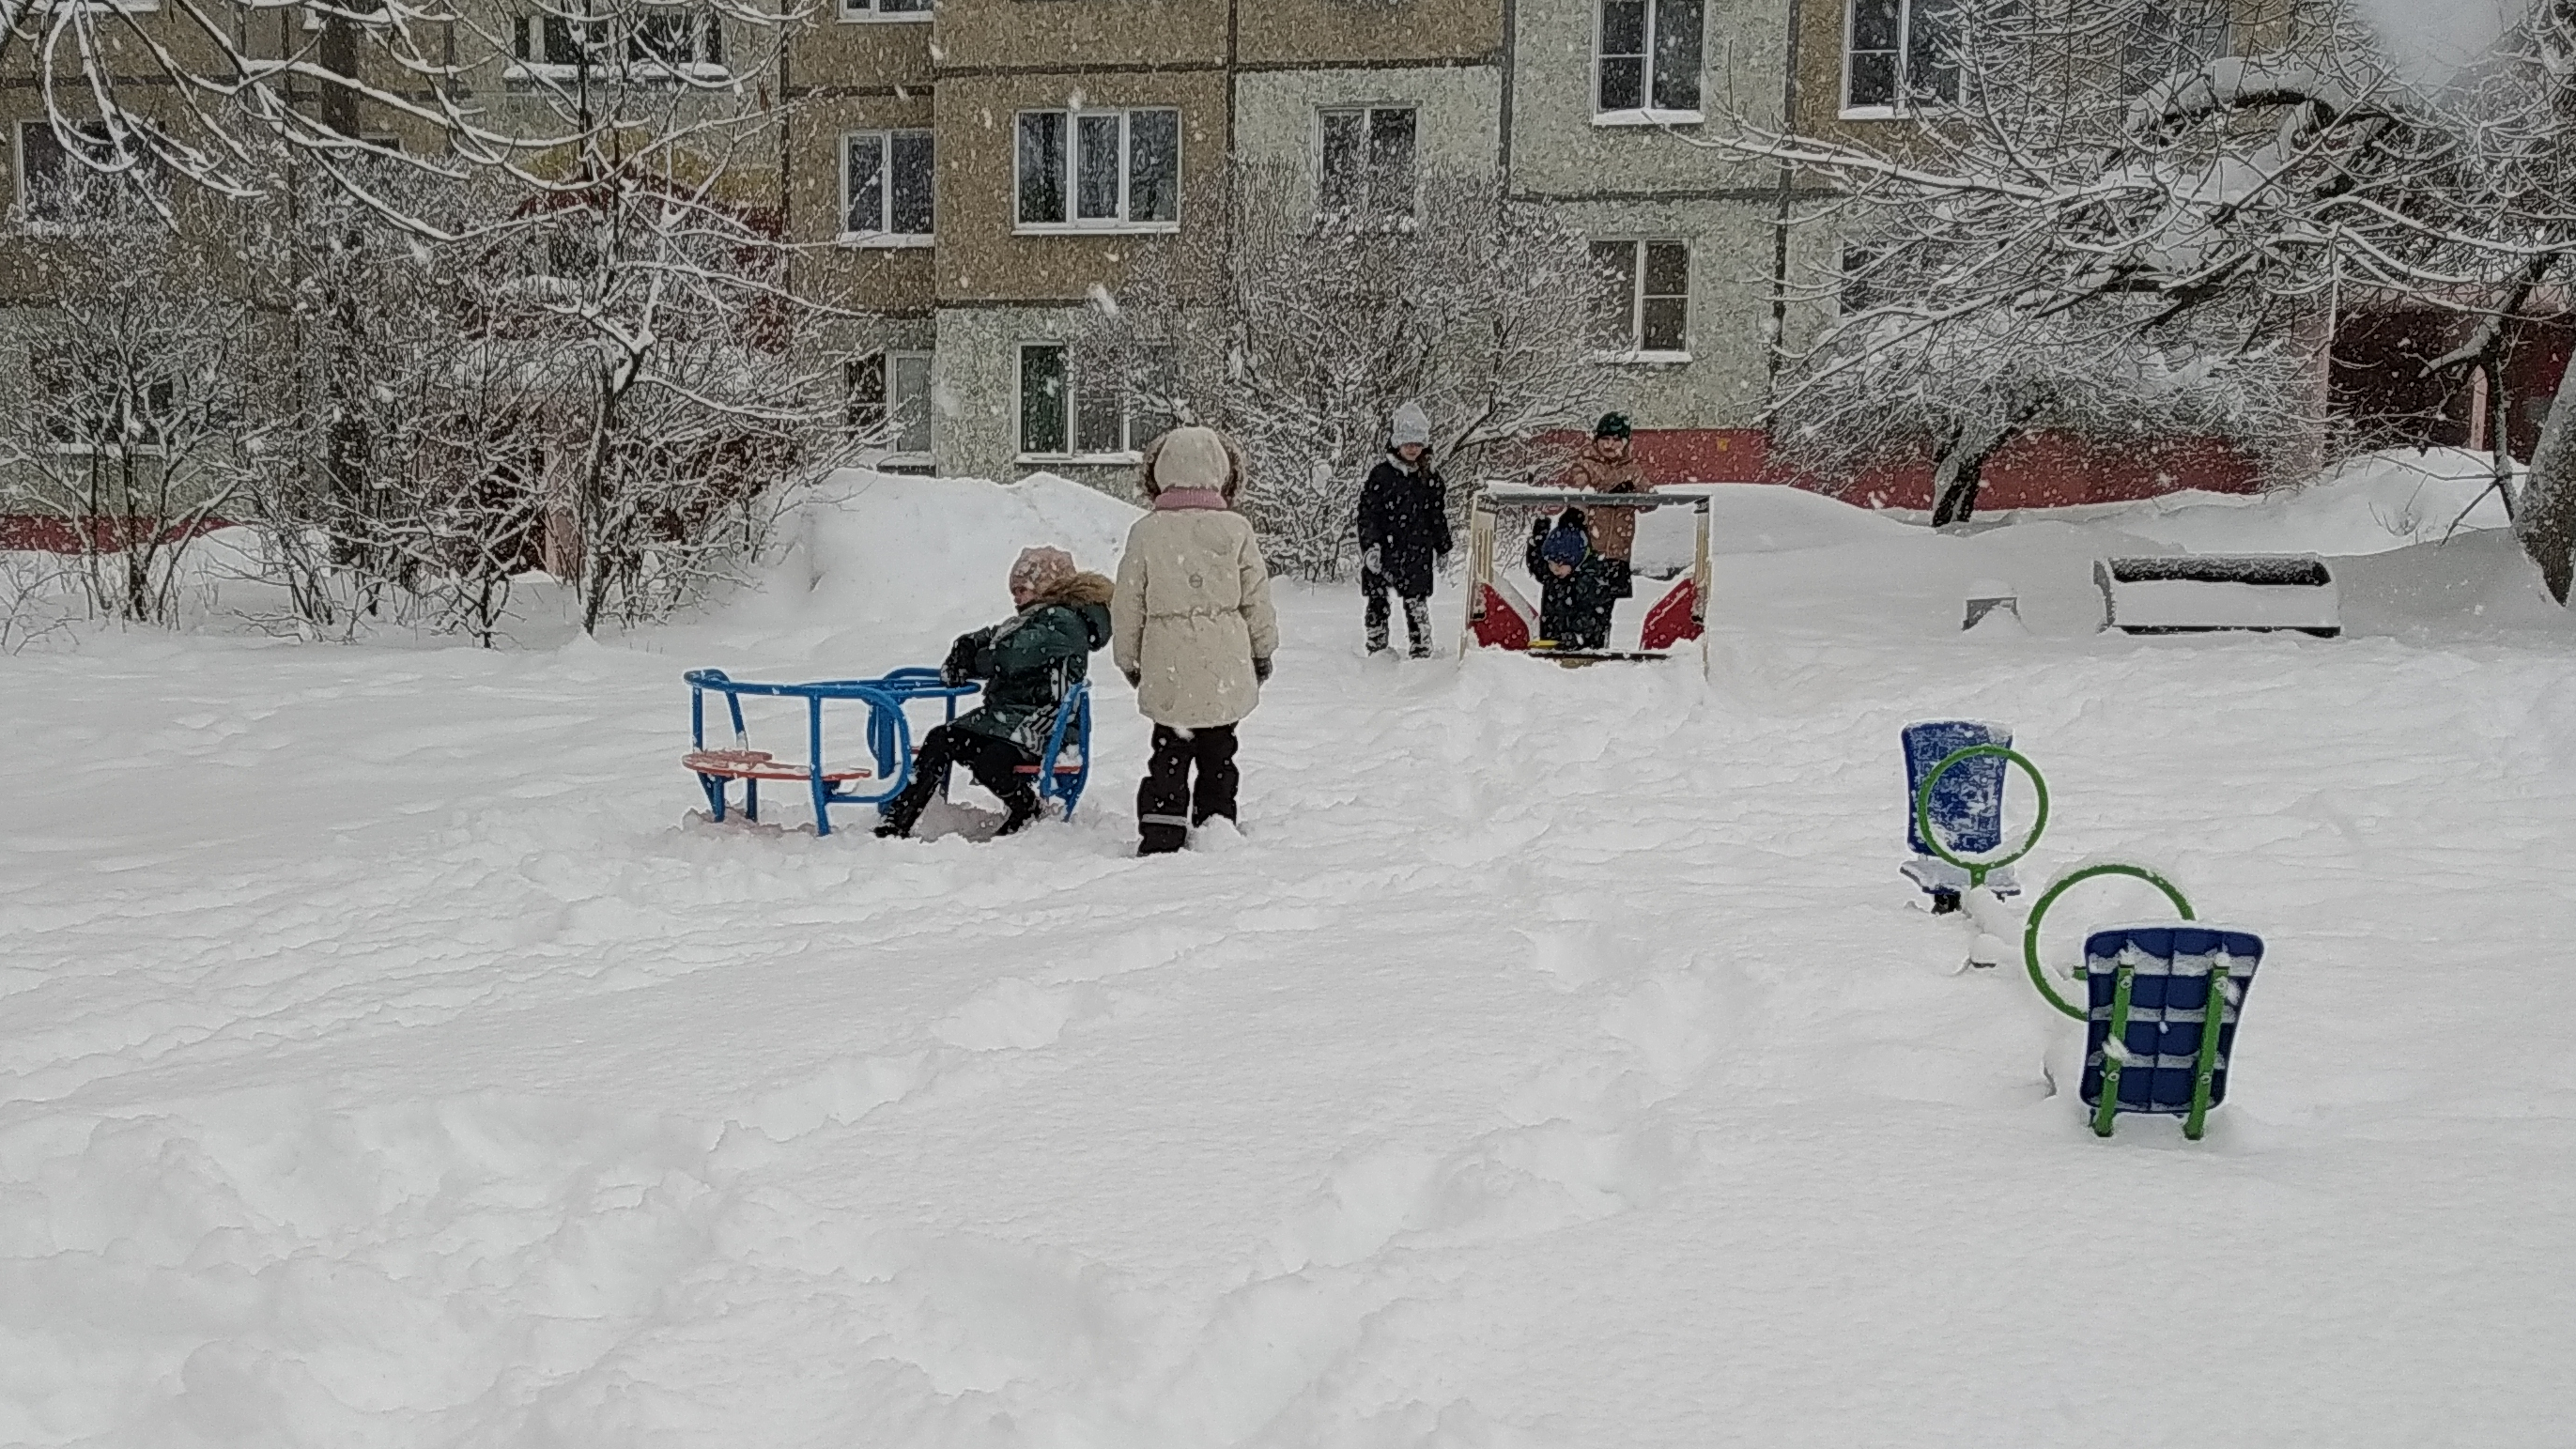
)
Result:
{"points": [[2152, 1044]]}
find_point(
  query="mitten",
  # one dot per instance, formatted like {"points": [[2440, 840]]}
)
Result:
{"points": [[1261, 669]]}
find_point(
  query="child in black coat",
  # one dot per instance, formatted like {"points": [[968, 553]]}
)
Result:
{"points": [[1404, 531]]}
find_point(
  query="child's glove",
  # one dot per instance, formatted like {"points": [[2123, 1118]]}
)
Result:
{"points": [[1373, 560], [1135, 677], [1261, 669], [960, 663]]}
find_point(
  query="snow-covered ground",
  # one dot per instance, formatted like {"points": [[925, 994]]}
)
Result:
{"points": [[1557, 1058]]}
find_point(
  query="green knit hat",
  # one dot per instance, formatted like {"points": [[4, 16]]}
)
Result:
{"points": [[1612, 425]]}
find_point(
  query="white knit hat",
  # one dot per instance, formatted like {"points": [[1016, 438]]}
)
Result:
{"points": [[1411, 425], [1192, 458]]}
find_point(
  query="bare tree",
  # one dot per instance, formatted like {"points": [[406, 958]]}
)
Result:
{"points": [[1301, 333], [142, 425], [210, 90]]}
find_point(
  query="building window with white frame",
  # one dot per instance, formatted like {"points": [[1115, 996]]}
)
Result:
{"points": [[1364, 163], [887, 187], [1645, 300], [658, 43], [1647, 68], [88, 408], [885, 9], [60, 189], [1099, 170], [1067, 413], [890, 393], [1899, 56]]}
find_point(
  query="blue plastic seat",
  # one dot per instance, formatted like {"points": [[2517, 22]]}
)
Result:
{"points": [[1967, 806], [1065, 769], [2149, 991]]}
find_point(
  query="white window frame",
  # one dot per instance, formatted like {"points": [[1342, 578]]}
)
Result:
{"points": [[1648, 114], [1132, 447], [1367, 111], [155, 446], [1636, 353], [527, 32], [885, 206], [19, 215], [868, 12], [1901, 107], [890, 369], [1074, 225]]}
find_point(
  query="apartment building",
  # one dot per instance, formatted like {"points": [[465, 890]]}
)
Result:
{"points": [[973, 172], [973, 175]]}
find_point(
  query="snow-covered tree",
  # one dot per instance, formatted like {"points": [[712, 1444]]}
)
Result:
{"points": [[208, 91], [2279, 162], [144, 423], [608, 379], [1887, 386], [1301, 333]]}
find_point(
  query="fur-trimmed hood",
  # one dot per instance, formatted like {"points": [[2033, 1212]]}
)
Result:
{"points": [[1082, 588], [1234, 474]]}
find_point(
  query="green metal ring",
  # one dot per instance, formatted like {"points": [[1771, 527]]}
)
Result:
{"points": [[2039, 909], [1978, 869]]}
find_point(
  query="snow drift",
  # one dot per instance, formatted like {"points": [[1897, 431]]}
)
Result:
{"points": [[1553, 1062]]}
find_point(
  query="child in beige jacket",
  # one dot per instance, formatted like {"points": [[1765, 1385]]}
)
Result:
{"points": [[1191, 628]]}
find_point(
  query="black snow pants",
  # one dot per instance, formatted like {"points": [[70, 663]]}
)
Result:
{"points": [[1166, 804], [1417, 615], [994, 762]]}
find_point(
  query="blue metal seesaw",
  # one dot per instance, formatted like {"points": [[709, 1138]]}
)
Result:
{"points": [[2160, 1002], [1063, 770]]}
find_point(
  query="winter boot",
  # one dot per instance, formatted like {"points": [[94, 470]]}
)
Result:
{"points": [[1023, 804], [1377, 622], [1417, 625]]}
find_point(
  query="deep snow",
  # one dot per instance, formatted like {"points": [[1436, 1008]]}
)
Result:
{"points": [[1556, 1060]]}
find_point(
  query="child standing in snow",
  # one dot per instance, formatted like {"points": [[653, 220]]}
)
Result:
{"points": [[1028, 663], [1191, 628], [1577, 587], [1404, 531], [1608, 464]]}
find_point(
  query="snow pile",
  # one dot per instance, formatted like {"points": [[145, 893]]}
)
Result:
{"points": [[1553, 1061], [2374, 503], [910, 555]]}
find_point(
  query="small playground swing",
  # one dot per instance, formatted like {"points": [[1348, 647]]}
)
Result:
{"points": [[2160, 1001], [1063, 769], [1499, 616]]}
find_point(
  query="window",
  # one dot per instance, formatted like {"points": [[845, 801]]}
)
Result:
{"points": [[1061, 417], [1645, 299], [676, 38], [57, 188], [657, 42], [886, 187], [1899, 55], [1365, 163], [1649, 62], [892, 390], [1861, 284], [1104, 170], [885, 9], [87, 408]]}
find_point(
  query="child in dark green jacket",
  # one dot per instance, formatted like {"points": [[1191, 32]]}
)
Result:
{"points": [[1577, 587], [1028, 663]]}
